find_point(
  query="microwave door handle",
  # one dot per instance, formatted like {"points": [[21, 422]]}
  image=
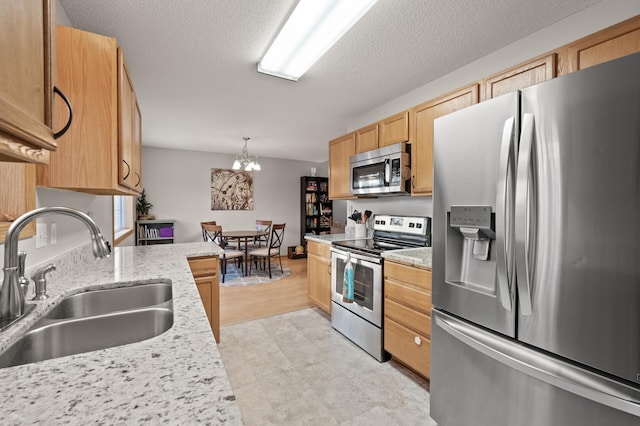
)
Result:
{"points": [[387, 172]]}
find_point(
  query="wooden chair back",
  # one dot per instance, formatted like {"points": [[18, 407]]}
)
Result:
{"points": [[204, 234], [213, 233], [276, 237], [263, 225]]}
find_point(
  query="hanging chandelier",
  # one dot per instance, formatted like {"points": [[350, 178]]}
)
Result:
{"points": [[246, 161]]}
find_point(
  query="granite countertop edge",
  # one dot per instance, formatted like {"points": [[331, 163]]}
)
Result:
{"points": [[176, 377], [414, 257]]}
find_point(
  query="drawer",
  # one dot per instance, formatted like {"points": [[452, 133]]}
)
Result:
{"points": [[409, 275], [400, 342], [204, 266], [409, 296], [412, 319], [319, 249]]}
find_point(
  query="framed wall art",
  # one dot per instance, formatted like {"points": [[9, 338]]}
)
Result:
{"points": [[231, 189]]}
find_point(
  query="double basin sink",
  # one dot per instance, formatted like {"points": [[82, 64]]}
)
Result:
{"points": [[94, 320]]}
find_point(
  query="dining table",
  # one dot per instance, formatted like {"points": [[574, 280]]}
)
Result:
{"points": [[244, 236]]}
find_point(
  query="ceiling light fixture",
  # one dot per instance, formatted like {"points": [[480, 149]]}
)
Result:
{"points": [[313, 27], [246, 161]]}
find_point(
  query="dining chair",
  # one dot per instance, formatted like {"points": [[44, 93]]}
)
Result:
{"points": [[204, 233], [272, 249], [214, 233]]}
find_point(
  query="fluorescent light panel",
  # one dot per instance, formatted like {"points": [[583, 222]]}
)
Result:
{"points": [[313, 27]]}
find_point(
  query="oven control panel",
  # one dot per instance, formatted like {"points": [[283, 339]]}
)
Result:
{"points": [[415, 225]]}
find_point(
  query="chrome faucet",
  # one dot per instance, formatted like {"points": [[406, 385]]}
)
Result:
{"points": [[12, 300]]}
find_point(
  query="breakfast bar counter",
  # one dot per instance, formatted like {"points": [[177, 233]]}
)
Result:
{"points": [[176, 377]]}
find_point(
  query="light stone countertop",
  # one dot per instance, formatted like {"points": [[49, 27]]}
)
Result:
{"points": [[327, 239], [415, 256], [174, 378]]}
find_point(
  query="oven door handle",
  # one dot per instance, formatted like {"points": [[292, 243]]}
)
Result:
{"points": [[358, 256]]}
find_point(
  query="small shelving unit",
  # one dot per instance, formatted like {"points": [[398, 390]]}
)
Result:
{"points": [[316, 216], [157, 231]]}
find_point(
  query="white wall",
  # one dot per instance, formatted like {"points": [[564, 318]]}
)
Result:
{"points": [[178, 184]]}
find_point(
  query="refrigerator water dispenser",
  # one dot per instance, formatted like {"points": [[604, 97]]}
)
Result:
{"points": [[470, 252]]}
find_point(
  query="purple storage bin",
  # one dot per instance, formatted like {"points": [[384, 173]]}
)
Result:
{"points": [[166, 232]]}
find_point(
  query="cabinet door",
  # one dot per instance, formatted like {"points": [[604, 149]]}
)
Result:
{"points": [[204, 288], [339, 169], [422, 145], [26, 80], [521, 76], [137, 126], [205, 272], [319, 275], [367, 138], [614, 42], [17, 196], [394, 129], [126, 127]]}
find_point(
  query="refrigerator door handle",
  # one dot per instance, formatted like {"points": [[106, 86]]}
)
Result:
{"points": [[546, 368], [524, 214], [504, 236]]}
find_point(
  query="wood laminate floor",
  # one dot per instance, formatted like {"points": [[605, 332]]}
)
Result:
{"points": [[239, 304]]}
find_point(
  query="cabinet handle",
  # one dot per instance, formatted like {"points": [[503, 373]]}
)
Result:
{"points": [[128, 170], [66, 101], [138, 182], [329, 269], [413, 181], [417, 340]]}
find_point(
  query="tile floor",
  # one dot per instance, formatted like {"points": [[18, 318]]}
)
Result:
{"points": [[294, 369]]}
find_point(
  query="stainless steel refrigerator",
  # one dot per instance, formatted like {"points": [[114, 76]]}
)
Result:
{"points": [[536, 255]]}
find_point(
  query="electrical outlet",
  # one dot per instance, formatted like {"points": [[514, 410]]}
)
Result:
{"points": [[53, 234], [41, 235]]}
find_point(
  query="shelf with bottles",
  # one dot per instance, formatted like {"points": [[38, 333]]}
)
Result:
{"points": [[157, 231]]}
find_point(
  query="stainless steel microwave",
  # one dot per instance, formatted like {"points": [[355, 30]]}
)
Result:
{"points": [[382, 171]]}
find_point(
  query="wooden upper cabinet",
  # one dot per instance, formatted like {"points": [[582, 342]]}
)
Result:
{"points": [[27, 35], [90, 155], [521, 76], [128, 116], [18, 196], [612, 43], [340, 150], [394, 129], [367, 138], [422, 134]]}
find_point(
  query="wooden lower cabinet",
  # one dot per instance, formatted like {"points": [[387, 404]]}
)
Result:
{"points": [[407, 315], [319, 274], [205, 273]]}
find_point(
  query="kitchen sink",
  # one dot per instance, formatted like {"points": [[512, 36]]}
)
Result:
{"points": [[99, 302], [84, 324]]}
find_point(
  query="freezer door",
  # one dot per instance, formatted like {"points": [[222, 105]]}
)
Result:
{"points": [[474, 175], [578, 217], [481, 378]]}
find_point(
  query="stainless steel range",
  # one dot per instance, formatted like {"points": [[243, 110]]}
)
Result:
{"points": [[361, 321]]}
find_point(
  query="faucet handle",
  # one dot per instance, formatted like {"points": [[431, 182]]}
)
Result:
{"points": [[22, 280], [39, 277]]}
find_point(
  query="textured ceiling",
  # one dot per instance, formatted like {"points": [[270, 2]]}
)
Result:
{"points": [[193, 64]]}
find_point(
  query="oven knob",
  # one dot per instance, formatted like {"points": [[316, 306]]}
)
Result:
{"points": [[418, 340], [418, 225], [412, 225]]}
